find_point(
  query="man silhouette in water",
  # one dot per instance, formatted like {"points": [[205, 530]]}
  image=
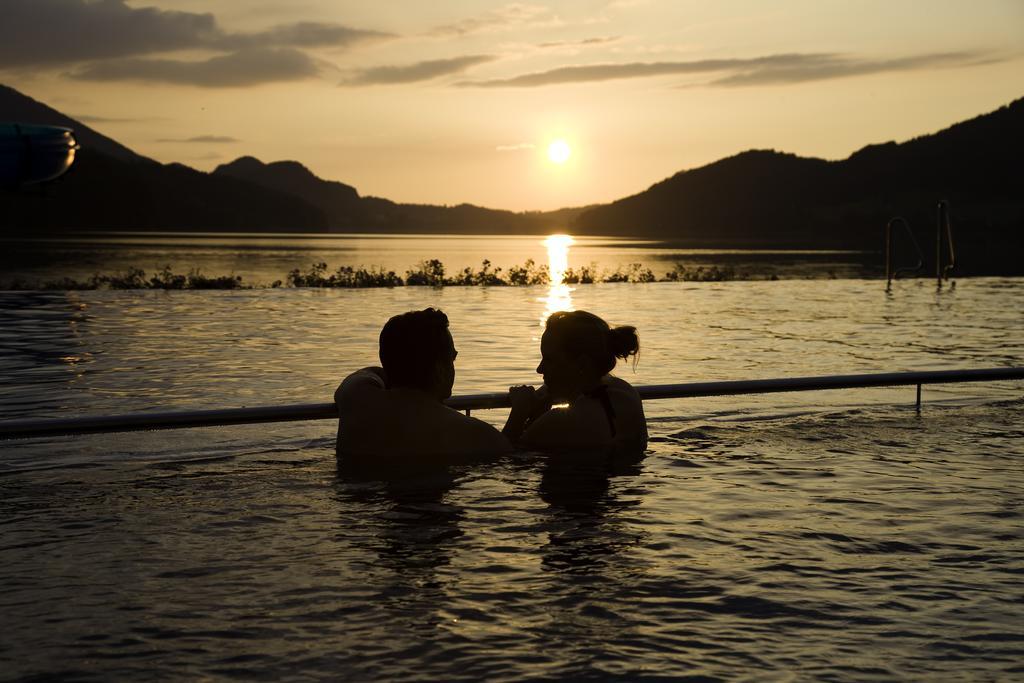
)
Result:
{"points": [[398, 409]]}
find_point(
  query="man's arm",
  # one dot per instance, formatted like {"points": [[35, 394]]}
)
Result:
{"points": [[468, 436]]}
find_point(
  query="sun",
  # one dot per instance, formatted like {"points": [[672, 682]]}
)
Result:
{"points": [[558, 151]]}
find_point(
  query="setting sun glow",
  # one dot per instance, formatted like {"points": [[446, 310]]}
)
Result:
{"points": [[559, 151]]}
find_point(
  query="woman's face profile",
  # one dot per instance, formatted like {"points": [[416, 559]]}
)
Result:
{"points": [[561, 374]]}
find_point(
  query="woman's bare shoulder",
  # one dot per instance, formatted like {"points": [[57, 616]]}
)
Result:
{"points": [[617, 385], [581, 425]]}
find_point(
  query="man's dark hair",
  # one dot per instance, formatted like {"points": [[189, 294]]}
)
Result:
{"points": [[411, 346]]}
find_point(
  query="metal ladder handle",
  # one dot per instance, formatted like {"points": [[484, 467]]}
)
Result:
{"points": [[890, 252], [944, 221]]}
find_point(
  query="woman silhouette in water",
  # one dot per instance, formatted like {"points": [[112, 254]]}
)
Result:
{"points": [[578, 351]]}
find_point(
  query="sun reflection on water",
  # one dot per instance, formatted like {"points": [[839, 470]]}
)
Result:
{"points": [[559, 297]]}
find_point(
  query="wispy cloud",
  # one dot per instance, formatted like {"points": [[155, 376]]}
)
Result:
{"points": [[515, 148], [586, 42], [203, 139], [415, 72], [88, 118], [305, 34], [513, 15], [41, 33], [627, 4], [770, 69], [243, 68], [608, 72], [825, 67], [607, 14]]}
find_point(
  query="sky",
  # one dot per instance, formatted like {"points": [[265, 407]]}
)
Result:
{"points": [[454, 101]]}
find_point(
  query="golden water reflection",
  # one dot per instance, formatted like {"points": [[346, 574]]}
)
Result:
{"points": [[558, 256], [559, 297]]}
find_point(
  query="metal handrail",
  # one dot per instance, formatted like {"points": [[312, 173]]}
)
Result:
{"points": [[890, 252], [327, 411]]}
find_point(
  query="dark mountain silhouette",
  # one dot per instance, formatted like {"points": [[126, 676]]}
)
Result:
{"points": [[764, 198], [732, 200], [340, 203], [345, 210], [755, 199]]}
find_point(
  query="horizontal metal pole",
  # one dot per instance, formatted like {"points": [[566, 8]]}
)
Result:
{"points": [[327, 411], [770, 386]]}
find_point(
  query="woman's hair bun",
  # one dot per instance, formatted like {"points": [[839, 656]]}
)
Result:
{"points": [[583, 334], [623, 341]]}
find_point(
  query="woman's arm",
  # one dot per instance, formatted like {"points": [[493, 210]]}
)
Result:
{"points": [[523, 398]]}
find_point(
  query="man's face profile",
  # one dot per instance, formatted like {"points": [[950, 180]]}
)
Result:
{"points": [[447, 368]]}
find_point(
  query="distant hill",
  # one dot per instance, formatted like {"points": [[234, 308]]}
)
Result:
{"points": [[764, 198], [345, 210], [339, 203], [756, 199]]}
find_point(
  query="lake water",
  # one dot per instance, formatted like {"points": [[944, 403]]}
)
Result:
{"points": [[814, 536], [262, 258]]}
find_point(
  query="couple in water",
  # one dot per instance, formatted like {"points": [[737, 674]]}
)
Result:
{"points": [[398, 409]]}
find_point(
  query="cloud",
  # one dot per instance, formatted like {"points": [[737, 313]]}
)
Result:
{"points": [[65, 31], [513, 15], [771, 69], [586, 42], [87, 118], [515, 148], [37, 33], [605, 15], [243, 68], [605, 72], [825, 67], [208, 139], [303, 34], [412, 73], [627, 4]]}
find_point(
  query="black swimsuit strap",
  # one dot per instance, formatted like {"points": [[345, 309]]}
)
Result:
{"points": [[601, 395]]}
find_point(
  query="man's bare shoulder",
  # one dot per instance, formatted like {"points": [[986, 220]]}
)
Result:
{"points": [[359, 387]]}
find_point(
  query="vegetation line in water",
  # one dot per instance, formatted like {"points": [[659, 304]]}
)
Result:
{"points": [[430, 273]]}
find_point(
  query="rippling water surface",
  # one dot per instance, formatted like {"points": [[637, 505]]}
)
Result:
{"points": [[827, 535]]}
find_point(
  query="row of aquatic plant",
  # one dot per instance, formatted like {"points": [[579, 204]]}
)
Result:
{"points": [[136, 278], [430, 273]]}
